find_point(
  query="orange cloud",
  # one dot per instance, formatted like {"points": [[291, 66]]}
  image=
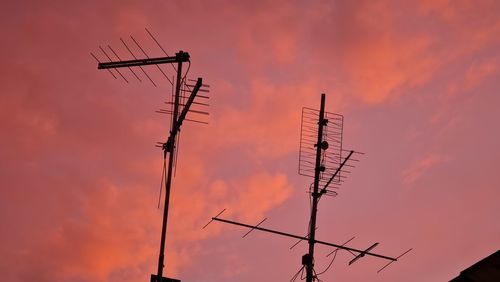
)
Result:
{"points": [[480, 71], [107, 230], [258, 127], [420, 167], [247, 198], [80, 173], [270, 36], [382, 66]]}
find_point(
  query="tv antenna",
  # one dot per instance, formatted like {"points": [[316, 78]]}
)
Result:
{"points": [[183, 99], [320, 157]]}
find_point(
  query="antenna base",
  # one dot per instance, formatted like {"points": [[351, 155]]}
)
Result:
{"points": [[155, 278]]}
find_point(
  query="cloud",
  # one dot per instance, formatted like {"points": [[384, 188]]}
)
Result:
{"points": [[79, 169], [246, 198], [382, 51], [270, 35], [383, 66], [269, 123], [479, 71], [105, 229], [416, 170]]}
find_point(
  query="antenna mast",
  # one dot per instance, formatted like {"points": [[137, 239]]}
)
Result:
{"points": [[322, 176], [169, 146], [308, 259], [178, 116]]}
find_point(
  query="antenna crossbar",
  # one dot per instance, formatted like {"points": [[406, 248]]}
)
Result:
{"points": [[180, 57], [304, 238]]}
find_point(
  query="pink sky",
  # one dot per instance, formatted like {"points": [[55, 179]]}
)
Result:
{"points": [[417, 82]]}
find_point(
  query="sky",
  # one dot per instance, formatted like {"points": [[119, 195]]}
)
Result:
{"points": [[416, 81]]}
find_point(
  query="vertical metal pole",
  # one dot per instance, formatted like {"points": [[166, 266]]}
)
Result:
{"points": [[315, 194], [171, 150]]}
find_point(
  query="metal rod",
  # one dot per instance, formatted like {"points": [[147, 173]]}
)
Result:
{"points": [[195, 103], [190, 100], [378, 271]]}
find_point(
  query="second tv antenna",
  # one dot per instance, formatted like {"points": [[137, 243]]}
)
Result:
{"points": [[320, 157]]}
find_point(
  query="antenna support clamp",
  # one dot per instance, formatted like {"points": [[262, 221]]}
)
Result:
{"points": [[307, 259]]}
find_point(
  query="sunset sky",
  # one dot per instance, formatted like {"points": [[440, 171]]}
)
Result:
{"points": [[416, 81]]}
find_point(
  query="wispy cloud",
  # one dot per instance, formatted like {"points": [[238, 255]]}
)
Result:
{"points": [[418, 168]]}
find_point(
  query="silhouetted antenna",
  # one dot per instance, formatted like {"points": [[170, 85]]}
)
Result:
{"points": [[183, 98], [321, 156]]}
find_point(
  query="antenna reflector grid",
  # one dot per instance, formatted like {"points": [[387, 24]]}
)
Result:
{"points": [[332, 146]]}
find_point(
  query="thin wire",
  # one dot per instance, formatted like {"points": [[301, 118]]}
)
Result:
{"points": [[302, 277], [176, 156], [315, 277], [297, 274], [164, 171], [310, 212], [184, 77], [329, 265]]}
